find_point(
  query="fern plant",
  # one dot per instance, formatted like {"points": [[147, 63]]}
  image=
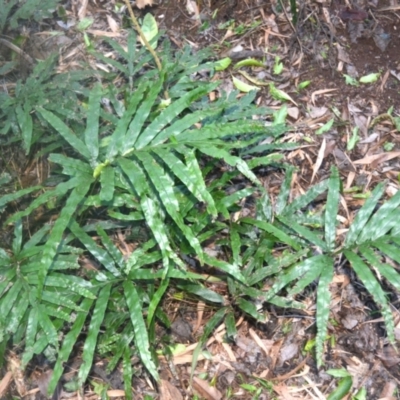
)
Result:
{"points": [[138, 165], [371, 246]]}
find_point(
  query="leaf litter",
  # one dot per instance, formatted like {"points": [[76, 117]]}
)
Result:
{"points": [[276, 355]]}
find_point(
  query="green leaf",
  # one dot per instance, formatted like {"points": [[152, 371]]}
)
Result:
{"points": [[112, 249], [349, 80], [164, 187], [363, 215], [267, 227], [302, 201], [325, 128], [284, 192], [353, 139], [17, 242], [370, 78], [50, 249], [386, 270], [127, 373], [98, 252], [30, 335], [230, 324], [382, 221], [92, 124], [69, 341], [17, 314], [243, 86], [93, 332], [323, 306], [155, 300], [26, 125], [278, 66], [279, 94], [107, 184], [249, 62], [230, 269], [342, 390], [141, 116], [223, 64], [150, 29], [14, 196], [338, 373], [7, 302], [155, 128], [47, 326], [331, 211], [117, 140], [201, 291], [208, 329], [71, 166], [303, 85], [139, 327], [251, 309], [65, 132], [190, 175], [372, 285]]}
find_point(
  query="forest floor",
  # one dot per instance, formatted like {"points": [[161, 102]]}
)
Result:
{"points": [[338, 121]]}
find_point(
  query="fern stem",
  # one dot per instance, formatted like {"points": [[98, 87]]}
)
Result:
{"points": [[145, 41]]}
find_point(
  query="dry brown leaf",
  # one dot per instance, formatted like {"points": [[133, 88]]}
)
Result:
{"points": [[318, 92], [193, 9], [5, 383], [200, 312], [320, 158], [388, 390], [169, 391], [378, 158], [293, 112], [116, 393], [97, 32], [259, 341], [83, 9], [342, 54], [112, 23], [14, 365], [205, 390], [317, 112], [143, 3]]}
